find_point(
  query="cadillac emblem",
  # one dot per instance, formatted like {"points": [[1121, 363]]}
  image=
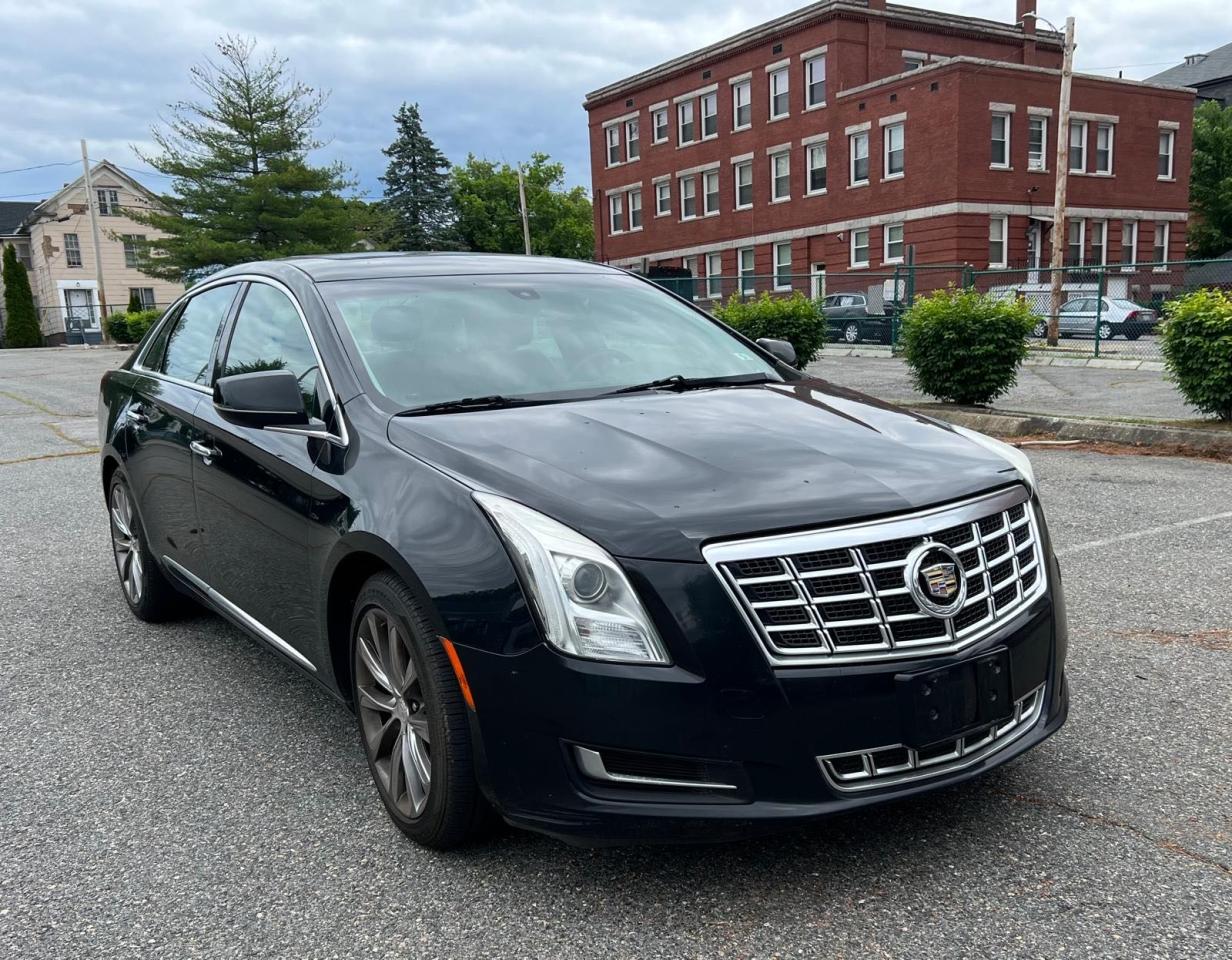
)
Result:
{"points": [[935, 579]]}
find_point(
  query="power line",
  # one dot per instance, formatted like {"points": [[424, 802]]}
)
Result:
{"points": [[23, 196], [41, 166]]}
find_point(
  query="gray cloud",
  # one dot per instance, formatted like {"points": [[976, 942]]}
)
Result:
{"points": [[493, 77]]}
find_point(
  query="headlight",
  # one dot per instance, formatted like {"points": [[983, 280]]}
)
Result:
{"points": [[583, 598], [1017, 459]]}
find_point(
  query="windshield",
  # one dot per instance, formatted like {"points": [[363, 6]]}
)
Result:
{"points": [[426, 340]]}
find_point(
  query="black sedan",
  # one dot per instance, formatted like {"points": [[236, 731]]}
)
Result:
{"points": [[848, 319], [576, 554]]}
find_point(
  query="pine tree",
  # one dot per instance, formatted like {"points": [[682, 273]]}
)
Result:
{"points": [[242, 186], [21, 320], [417, 187]]}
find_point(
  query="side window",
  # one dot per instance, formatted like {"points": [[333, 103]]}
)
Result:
{"points": [[269, 335], [191, 340], [152, 359]]}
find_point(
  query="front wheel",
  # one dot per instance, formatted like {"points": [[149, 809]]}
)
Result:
{"points": [[851, 332], [1041, 330], [413, 719], [1105, 331]]}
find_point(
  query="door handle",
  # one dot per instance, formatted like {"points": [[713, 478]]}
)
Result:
{"points": [[207, 453], [136, 414]]}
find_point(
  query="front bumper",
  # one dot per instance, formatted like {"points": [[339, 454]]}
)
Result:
{"points": [[724, 705]]}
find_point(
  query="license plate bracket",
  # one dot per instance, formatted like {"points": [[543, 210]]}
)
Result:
{"points": [[946, 702]]}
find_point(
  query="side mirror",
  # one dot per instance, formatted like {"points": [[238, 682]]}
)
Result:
{"points": [[780, 348], [266, 398]]}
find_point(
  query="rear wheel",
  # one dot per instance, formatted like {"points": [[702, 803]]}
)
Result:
{"points": [[146, 591], [851, 332], [413, 720]]}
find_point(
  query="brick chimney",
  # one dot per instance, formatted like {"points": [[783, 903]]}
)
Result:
{"points": [[1027, 25], [876, 4]]}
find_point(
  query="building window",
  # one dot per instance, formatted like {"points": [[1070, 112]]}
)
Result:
{"points": [[72, 250], [816, 156], [658, 125], [1001, 140], [108, 203], [815, 81], [714, 275], [1167, 140], [744, 185], [635, 209], [780, 177], [1161, 244], [143, 295], [895, 149], [663, 198], [710, 192], [748, 278], [782, 266], [1077, 146], [686, 131], [893, 243], [1129, 243], [1099, 243], [859, 248], [688, 198], [912, 63], [859, 158], [616, 211], [778, 93], [742, 104], [633, 148], [613, 145], [710, 116], [1104, 134], [1037, 143], [130, 242], [998, 238], [1075, 252]]}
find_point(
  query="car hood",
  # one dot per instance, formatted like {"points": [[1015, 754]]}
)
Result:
{"points": [[656, 475]]}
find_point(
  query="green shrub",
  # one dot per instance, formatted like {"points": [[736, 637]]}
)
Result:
{"points": [[117, 328], [964, 346], [21, 320], [1197, 347], [134, 302], [131, 327], [795, 319]]}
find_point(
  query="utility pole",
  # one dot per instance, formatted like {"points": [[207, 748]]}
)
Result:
{"points": [[98, 250], [522, 203], [1059, 227]]}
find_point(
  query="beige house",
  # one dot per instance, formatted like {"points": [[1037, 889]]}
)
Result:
{"points": [[54, 241]]}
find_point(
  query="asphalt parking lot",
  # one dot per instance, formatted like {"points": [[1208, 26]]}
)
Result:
{"points": [[175, 792]]}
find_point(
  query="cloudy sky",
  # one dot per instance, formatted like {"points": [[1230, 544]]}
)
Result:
{"points": [[500, 78]]}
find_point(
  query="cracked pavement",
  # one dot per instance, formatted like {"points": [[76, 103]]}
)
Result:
{"points": [[175, 792]]}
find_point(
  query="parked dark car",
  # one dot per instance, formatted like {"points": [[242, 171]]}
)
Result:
{"points": [[577, 554], [848, 319]]}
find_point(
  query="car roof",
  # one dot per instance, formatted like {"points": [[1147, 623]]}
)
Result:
{"points": [[323, 268]]}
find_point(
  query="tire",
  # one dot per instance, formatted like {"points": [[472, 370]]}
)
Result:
{"points": [[412, 719], [146, 591], [1041, 330], [1105, 330], [851, 332]]}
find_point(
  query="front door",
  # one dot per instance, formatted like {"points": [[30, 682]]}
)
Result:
{"points": [[1034, 244], [81, 322], [817, 274]]}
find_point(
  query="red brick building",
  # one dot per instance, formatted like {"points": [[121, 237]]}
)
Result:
{"points": [[833, 138]]}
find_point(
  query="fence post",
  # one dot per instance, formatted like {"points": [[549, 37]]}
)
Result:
{"points": [[968, 276], [1099, 303]]}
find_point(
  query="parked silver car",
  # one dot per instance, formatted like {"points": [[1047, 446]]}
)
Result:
{"points": [[1078, 317]]}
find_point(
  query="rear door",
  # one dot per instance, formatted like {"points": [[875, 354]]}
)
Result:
{"points": [[168, 383]]}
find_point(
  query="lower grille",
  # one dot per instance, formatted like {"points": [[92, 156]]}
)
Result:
{"points": [[888, 766]]}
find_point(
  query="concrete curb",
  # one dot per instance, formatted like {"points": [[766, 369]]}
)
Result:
{"points": [[1011, 424], [1107, 363]]}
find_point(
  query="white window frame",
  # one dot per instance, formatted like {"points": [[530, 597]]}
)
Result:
{"points": [[709, 177], [686, 195], [612, 133], [785, 157], [809, 102], [913, 61], [1099, 253], [634, 207], [856, 263], [742, 97], [1007, 121], [132, 260], [72, 251], [736, 169], [633, 140], [886, 173], [852, 140], [1155, 246], [147, 303], [779, 265], [663, 209], [809, 168], [691, 106], [1166, 133], [1040, 163], [746, 266], [1081, 224], [711, 100], [1001, 261], [714, 276], [780, 85], [108, 202], [655, 126], [887, 231], [1100, 128], [616, 214], [1081, 145], [1132, 263]]}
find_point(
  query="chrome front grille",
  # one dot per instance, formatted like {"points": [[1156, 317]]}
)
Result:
{"points": [[887, 766], [841, 594]]}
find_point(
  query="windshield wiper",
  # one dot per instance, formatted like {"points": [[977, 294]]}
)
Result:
{"points": [[678, 382], [494, 401]]}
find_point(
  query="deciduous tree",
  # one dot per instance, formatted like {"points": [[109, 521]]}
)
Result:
{"points": [[1210, 181]]}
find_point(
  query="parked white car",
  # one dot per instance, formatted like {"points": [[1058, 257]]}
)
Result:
{"points": [[1078, 317]]}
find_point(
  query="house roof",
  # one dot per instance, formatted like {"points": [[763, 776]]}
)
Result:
{"points": [[103, 166], [1214, 65], [12, 213]]}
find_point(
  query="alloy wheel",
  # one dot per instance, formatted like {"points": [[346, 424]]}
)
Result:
{"points": [[126, 544], [851, 333], [393, 711], [1105, 331]]}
